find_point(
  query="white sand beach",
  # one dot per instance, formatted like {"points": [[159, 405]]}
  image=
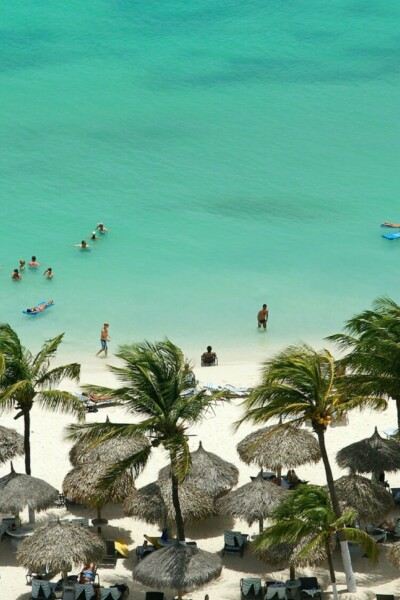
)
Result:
{"points": [[216, 432]]}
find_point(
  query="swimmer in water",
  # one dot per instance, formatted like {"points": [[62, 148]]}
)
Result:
{"points": [[16, 275], [94, 236], [83, 245], [100, 227], [21, 264], [48, 273], [34, 262]]}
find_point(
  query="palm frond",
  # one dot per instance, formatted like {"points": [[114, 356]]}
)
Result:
{"points": [[60, 401], [48, 379]]}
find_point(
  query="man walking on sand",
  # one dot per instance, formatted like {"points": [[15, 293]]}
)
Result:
{"points": [[104, 338], [262, 317]]}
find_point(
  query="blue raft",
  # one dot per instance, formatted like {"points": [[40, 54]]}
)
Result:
{"points": [[33, 314], [391, 236]]}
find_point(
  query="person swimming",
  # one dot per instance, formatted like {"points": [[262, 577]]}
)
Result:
{"points": [[21, 264], [48, 273], [100, 227], [16, 274], [94, 236], [34, 262], [83, 245]]}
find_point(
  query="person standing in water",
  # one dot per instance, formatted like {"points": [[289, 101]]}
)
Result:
{"points": [[16, 274], [48, 273], [262, 317], [34, 262], [83, 245], [104, 338], [21, 264], [100, 227]]}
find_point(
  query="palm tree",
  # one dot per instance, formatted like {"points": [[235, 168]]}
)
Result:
{"points": [[25, 378], [301, 384], [306, 519], [157, 384], [373, 342]]}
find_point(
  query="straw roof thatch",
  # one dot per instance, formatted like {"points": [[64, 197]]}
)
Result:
{"points": [[153, 503], [208, 472], [393, 554], [286, 555], [371, 501], [253, 501], [11, 444], [371, 455], [19, 491], [83, 484], [178, 568], [275, 447], [111, 450], [60, 547]]}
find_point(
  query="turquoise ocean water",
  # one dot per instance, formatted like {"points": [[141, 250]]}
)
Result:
{"points": [[238, 152]]}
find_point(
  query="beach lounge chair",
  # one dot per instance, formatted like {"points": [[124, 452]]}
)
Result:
{"points": [[110, 593], [384, 596], [250, 587], [395, 491], [110, 559], [154, 541], [209, 359], [309, 588], [155, 596], [379, 535], [83, 521], [42, 589], [143, 551], [234, 542], [275, 590], [85, 591]]}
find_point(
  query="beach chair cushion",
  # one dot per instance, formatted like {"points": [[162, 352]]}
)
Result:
{"points": [[309, 587], [275, 592], [385, 597], [41, 589], [250, 587], [84, 591], [110, 593], [155, 596]]}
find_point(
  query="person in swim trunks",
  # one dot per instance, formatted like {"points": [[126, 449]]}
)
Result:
{"points": [[262, 317], [104, 338]]}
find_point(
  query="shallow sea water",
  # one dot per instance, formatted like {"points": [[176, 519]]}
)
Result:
{"points": [[238, 152]]}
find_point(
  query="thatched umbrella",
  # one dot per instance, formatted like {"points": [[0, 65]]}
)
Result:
{"points": [[371, 455], [371, 501], [179, 568], [19, 491], [83, 484], [11, 444], [286, 555], [253, 501], [208, 472], [153, 503], [112, 450], [393, 554], [276, 447], [60, 547]]}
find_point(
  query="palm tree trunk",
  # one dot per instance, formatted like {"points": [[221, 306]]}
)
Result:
{"points": [[344, 548], [292, 573], [27, 444], [331, 572], [180, 527], [27, 450], [398, 412]]}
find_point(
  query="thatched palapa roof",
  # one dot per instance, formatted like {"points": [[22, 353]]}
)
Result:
{"points": [[393, 554], [83, 484], [11, 444], [371, 501], [208, 472], [286, 555], [179, 568], [253, 501], [278, 446], [19, 491], [153, 503], [111, 450], [60, 547], [371, 455]]}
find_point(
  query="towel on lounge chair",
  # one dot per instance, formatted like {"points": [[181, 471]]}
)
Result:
{"points": [[248, 583]]}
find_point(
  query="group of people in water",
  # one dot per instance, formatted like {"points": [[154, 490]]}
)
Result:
{"points": [[99, 229], [33, 264]]}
